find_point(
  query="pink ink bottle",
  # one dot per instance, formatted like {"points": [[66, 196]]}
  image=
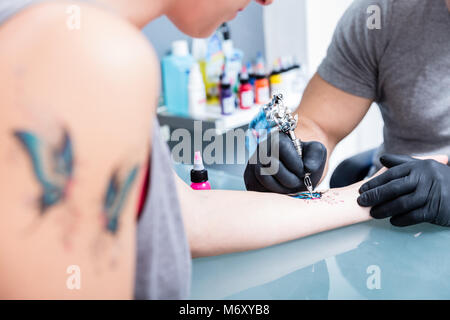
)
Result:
{"points": [[199, 175]]}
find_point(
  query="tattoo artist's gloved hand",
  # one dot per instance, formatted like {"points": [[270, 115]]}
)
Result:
{"points": [[291, 168], [410, 192]]}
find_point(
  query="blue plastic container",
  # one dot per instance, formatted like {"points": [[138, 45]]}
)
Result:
{"points": [[175, 71]]}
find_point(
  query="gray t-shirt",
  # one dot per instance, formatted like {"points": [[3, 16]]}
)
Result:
{"points": [[163, 255], [404, 67]]}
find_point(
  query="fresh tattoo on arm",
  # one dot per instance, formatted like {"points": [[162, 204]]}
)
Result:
{"points": [[52, 166], [328, 196], [115, 198], [307, 196]]}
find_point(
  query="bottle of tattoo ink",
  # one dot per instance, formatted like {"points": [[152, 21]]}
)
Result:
{"points": [[246, 94], [262, 85], [276, 80], [262, 88], [199, 175], [227, 99]]}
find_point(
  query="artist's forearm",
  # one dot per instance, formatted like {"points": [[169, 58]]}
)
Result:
{"points": [[231, 221], [327, 114], [309, 130]]}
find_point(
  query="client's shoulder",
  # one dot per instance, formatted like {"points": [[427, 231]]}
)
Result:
{"points": [[80, 32]]}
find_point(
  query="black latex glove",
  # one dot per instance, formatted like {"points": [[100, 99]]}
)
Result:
{"points": [[410, 192], [289, 177]]}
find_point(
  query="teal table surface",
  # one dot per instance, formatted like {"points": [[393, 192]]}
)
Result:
{"points": [[371, 260]]}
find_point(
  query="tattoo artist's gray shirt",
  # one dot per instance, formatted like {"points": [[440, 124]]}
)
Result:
{"points": [[404, 67], [163, 257]]}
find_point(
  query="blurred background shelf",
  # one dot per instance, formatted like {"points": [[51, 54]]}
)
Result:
{"points": [[196, 128], [212, 119]]}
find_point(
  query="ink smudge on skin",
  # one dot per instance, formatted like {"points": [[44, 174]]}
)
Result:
{"points": [[326, 196], [307, 196]]}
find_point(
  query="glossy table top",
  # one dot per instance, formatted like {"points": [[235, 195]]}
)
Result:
{"points": [[371, 260]]}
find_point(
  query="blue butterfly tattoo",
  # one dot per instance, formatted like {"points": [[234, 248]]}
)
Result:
{"points": [[52, 166], [115, 199]]}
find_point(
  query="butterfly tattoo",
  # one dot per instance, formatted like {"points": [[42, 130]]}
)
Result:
{"points": [[115, 198], [52, 167]]}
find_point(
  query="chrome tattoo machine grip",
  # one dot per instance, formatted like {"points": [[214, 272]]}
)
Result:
{"points": [[279, 114]]}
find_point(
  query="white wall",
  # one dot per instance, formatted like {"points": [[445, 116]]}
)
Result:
{"points": [[321, 19], [285, 30], [305, 28], [245, 32]]}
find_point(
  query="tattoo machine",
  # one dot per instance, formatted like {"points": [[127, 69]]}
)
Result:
{"points": [[277, 113]]}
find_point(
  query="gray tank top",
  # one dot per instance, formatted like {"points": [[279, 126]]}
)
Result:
{"points": [[163, 255], [163, 259]]}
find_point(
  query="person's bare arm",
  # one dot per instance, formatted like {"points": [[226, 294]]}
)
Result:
{"points": [[219, 222], [76, 115], [328, 114]]}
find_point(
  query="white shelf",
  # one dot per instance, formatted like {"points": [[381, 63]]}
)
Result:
{"points": [[213, 118]]}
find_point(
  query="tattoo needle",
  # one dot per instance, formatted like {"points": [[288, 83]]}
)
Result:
{"points": [[308, 184]]}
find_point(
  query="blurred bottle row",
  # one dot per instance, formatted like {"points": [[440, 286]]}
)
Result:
{"points": [[213, 74]]}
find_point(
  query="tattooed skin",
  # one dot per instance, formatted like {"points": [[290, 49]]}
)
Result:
{"points": [[106, 244], [307, 196], [52, 166], [115, 198], [327, 196]]}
